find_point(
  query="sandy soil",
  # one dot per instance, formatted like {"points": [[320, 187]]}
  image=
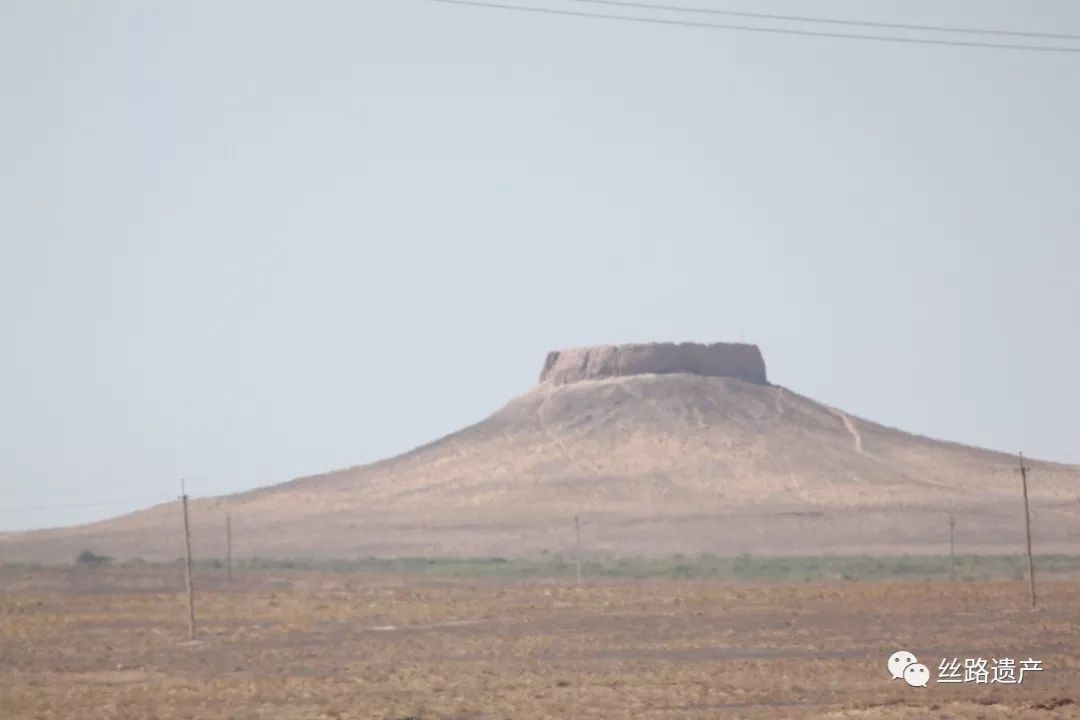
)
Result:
{"points": [[308, 645]]}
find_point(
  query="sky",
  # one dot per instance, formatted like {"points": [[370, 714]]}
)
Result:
{"points": [[252, 241]]}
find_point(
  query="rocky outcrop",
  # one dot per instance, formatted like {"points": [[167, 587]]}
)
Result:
{"points": [[734, 360]]}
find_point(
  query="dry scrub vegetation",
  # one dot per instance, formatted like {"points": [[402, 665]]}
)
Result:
{"points": [[111, 643]]}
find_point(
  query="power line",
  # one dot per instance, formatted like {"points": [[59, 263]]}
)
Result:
{"points": [[83, 505], [57, 490], [833, 21], [752, 28]]}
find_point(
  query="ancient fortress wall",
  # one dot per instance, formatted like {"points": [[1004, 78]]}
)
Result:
{"points": [[734, 360]]}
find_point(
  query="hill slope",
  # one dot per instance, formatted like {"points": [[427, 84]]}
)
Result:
{"points": [[683, 459]]}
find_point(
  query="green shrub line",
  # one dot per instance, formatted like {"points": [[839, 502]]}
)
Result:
{"points": [[765, 568]]}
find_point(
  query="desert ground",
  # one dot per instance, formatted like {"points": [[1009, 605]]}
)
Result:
{"points": [[112, 643]]}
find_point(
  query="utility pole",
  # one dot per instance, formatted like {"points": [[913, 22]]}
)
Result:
{"points": [[1027, 527], [577, 547], [187, 564], [228, 547], [952, 546]]}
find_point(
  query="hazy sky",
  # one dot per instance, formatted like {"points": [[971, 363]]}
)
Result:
{"points": [[244, 242]]}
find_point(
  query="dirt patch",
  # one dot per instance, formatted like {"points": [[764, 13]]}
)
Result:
{"points": [[392, 648]]}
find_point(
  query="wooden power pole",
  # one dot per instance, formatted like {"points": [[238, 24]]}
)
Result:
{"points": [[577, 547], [228, 547], [952, 547], [1027, 527], [187, 564]]}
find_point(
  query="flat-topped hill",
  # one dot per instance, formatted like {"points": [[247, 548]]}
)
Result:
{"points": [[659, 449]]}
